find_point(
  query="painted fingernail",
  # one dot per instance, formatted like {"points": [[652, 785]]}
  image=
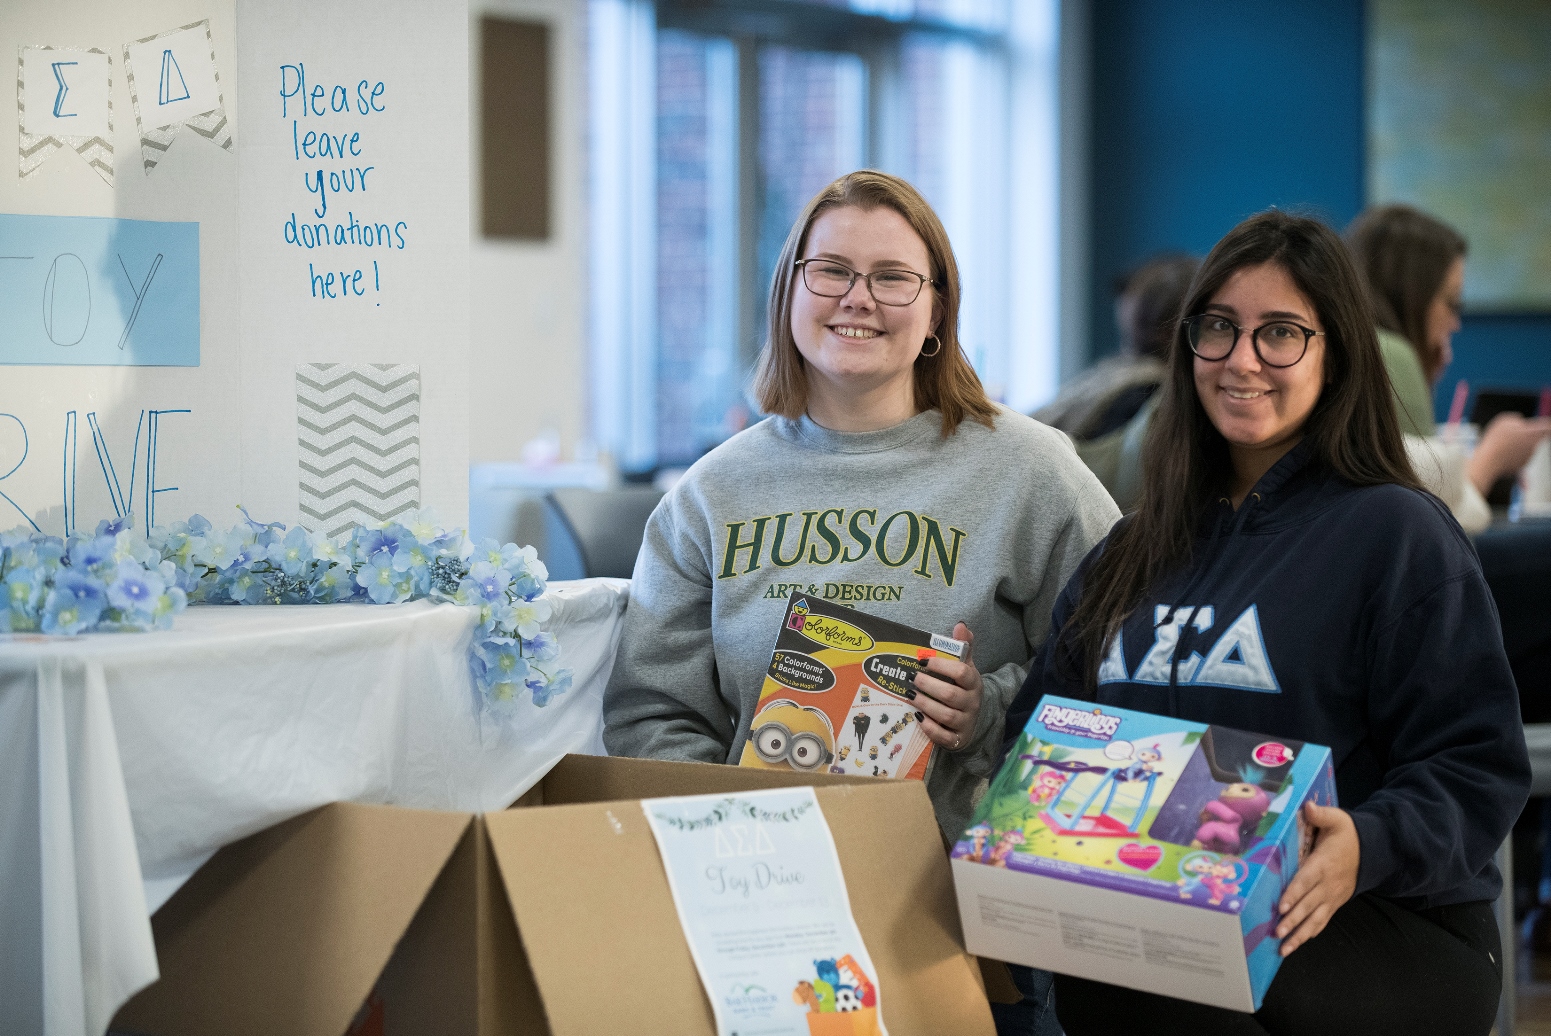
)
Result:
{"points": [[910, 693], [919, 717]]}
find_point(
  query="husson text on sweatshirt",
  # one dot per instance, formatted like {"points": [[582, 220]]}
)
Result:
{"points": [[1353, 617], [982, 526]]}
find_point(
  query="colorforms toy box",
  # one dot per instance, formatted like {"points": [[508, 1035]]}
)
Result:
{"points": [[837, 694], [1140, 850]]}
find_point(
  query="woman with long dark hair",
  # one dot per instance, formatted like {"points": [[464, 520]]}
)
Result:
{"points": [[1286, 574]]}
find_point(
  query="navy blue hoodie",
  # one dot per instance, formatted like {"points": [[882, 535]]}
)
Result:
{"points": [[1349, 616]]}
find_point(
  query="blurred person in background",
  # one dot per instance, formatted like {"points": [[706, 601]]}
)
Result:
{"points": [[1415, 269], [1105, 411]]}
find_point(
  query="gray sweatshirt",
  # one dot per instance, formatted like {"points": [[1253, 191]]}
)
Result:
{"points": [[983, 526]]}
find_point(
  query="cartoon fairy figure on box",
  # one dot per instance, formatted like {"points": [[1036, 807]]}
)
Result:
{"points": [[1217, 877]]}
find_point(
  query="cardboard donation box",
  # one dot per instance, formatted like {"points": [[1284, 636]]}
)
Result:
{"points": [[552, 917], [1140, 850]]}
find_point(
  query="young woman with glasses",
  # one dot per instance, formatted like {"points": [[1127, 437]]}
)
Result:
{"points": [[884, 479], [1286, 575]]}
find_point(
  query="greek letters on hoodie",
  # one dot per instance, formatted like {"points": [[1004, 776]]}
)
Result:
{"points": [[1353, 617]]}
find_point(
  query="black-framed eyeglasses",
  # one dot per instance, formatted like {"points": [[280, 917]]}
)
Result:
{"points": [[890, 287], [1280, 343]]}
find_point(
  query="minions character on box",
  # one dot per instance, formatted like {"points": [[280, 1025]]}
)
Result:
{"points": [[786, 735], [1186, 830], [837, 694]]}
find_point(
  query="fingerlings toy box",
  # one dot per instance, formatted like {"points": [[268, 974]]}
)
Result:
{"points": [[838, 694], [1140, 850]]}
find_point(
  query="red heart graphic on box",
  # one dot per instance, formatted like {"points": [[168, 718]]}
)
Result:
{"points": [[1142, 857]]}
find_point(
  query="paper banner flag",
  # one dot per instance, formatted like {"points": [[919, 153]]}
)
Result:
{"points": [[71, 106], [173, 82], [358, 439]]}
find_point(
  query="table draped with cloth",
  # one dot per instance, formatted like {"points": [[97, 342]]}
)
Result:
{"points": [[128, 759]]}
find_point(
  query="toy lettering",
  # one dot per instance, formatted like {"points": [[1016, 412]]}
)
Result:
{"points": [[67, 295], [904, 539], [760, 877], [1093, 723]]}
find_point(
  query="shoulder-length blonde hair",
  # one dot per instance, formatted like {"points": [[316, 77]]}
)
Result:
{"points": [[944, 381]]}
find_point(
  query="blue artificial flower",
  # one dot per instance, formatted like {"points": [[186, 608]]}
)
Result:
{"points": [[489, 552], [116, 526], [220, 550], [327, 550], [527, 586], [292, 555], [469, 593], [244, 586], [254, 548], [378, 577], [335, 583], [411, 554], [544, 687], [167, 606], [119, 579], [74, 604], [492, 581], [371, 542], [90, 553], [422, 525], [135, 590], [261, 530], [50, 551], [526, 616], [542, 648], [504, 669]]}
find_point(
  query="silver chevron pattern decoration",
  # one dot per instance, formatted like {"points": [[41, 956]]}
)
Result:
{"points": [[358, 441]]}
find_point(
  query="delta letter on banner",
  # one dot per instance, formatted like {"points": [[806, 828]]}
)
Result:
{"points": [[173, 82]]}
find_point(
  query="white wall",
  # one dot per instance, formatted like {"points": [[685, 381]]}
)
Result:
{"points": [[528, 299]]}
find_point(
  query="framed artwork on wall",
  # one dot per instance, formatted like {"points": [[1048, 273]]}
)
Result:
{"points": [[1459, 125]]}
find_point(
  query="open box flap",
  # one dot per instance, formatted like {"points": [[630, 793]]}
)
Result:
{"points": [[589, 778], [287, 930], [596, 916]]}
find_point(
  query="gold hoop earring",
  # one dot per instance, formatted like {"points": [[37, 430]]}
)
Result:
{"points": [[935, 351]]}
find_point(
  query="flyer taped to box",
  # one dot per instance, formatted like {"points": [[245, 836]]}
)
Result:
{"points": [[837, 694], [757, 883], [1140, 850]]}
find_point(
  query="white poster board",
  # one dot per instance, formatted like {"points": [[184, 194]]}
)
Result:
{"points": [[199, 132]]}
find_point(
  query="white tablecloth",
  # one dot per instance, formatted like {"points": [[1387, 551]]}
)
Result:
{"points": [[126, 760]]}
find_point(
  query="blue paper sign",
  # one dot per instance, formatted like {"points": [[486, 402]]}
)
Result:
{"points": [[99, 292]]}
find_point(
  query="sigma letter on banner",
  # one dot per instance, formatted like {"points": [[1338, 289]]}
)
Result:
{"points": [[64, 99], [358, 443]]}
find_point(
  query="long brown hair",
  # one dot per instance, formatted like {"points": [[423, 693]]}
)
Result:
{"points": [[1352, 429], [1405, 255], [944, 381]]}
